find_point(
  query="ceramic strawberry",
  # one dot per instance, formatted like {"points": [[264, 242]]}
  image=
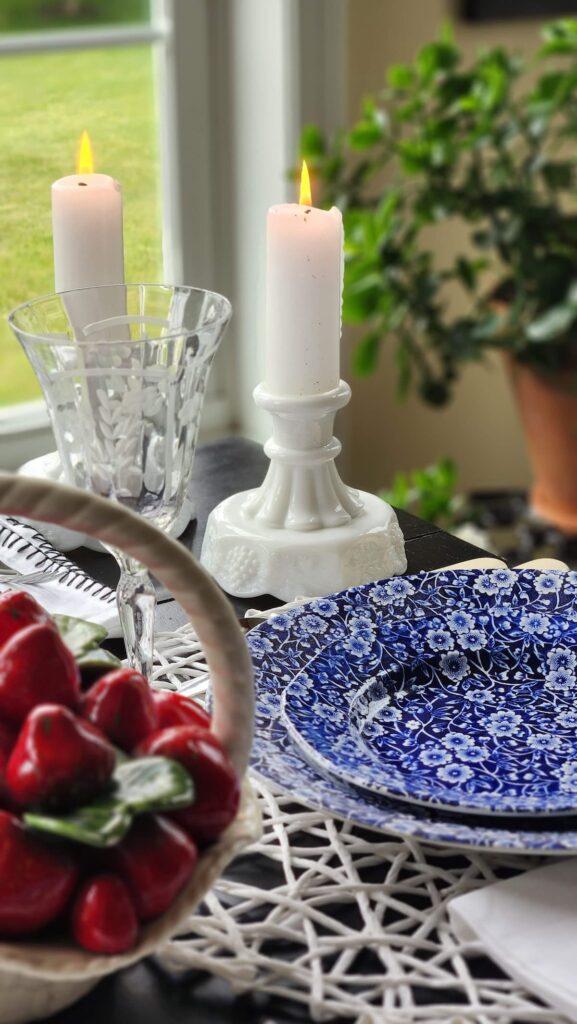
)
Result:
{"points": [[103, 917], [215, 780], [59, 760], [36, 879], [7, 741], [156, 859], [36, 666], [176, 709], [18, 610], [120, 704]]}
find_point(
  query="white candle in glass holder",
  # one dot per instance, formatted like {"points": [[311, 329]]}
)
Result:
{"points": [[87, 227], [304, 295]]}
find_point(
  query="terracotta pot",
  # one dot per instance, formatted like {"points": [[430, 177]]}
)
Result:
{"points": [[547, 404]]}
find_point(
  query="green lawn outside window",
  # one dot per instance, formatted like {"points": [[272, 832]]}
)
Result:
{"points": [[45, 102]]}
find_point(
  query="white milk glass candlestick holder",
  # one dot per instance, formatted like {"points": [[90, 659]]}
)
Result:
{"points": [[125, 395], [303, 532]]}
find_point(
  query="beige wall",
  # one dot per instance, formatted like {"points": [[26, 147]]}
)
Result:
{"points": [[480, 429]]}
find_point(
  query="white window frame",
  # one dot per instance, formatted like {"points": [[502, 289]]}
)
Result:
{"points": [[269, 67], [221, 167]]}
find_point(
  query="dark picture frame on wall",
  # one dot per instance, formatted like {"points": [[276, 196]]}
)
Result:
{"points": [[501, 10]]}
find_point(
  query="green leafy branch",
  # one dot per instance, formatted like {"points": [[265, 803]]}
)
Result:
{"points": [[430, 493], [489, 145]]}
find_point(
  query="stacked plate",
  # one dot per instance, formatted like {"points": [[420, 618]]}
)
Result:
{"points": [[441, 705]]}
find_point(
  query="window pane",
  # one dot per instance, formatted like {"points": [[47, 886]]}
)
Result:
{"points": [[34, 15], [45, 102]]}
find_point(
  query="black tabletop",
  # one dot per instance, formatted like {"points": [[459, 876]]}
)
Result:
{"points": [[147, 994]]}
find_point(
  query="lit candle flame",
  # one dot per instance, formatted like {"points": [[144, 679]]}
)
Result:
{"points": [[305, 197], [85, 159]]}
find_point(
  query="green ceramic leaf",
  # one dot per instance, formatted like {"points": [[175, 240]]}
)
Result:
{"points": [[99, 658], [95, 664], [121, 756], [100, 824], [153, 784], [142, 785], [78, 635]]}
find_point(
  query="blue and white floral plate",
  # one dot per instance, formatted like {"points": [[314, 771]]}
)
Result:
{"points": [[469, 707], [287, 643]]}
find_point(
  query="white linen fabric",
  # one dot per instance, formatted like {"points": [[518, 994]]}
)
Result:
{"points": [[74, 593], [528, 926]]}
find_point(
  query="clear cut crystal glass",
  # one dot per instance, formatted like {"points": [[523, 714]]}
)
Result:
{"points": [[124, 370]]}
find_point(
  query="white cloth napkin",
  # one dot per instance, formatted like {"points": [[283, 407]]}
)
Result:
{"points": [[74, 593], [528, 926]]}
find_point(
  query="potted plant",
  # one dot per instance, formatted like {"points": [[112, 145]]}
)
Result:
{"points": [[490, 144]]}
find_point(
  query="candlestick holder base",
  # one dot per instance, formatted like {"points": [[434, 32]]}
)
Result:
{"points": [[303, 531]]}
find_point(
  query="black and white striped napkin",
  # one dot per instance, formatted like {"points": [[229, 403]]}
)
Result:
{"points": [[74, 592]]}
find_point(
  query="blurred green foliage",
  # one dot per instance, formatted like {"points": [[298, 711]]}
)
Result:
{"points": [[490, 144], [429, 493], [35, 15]]}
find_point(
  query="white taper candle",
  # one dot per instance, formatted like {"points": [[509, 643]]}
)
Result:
{"points": [[87, 231], [304, 293]]}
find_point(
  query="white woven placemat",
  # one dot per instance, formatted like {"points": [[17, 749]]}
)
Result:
{"points": [[355, 925]]}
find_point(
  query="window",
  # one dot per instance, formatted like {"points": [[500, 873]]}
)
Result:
{"points": [[214, 93], [66, 65]]}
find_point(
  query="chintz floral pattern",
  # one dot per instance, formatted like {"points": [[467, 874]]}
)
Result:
{"points": [[460, 708], [276, 758]]}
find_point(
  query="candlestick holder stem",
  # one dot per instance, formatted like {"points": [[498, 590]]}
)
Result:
{"points": [[303, 531]]}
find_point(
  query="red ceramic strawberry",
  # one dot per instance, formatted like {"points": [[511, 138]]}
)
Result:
{"points": [[18, 610], [35, 666], [176, 709], [7, 741], [216, 782], [120, 704], [156, 859], [103, 918], [59, 760], [36, 879]]}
